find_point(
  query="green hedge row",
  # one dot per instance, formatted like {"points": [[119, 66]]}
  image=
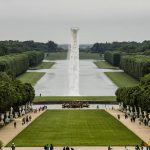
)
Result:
{"points": [[135, 65], [113, 57], [35, 57], [138, 96], [14, 64], [18, 63], [13, 93]]}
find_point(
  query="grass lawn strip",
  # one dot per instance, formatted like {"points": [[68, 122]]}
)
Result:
{"points": [[44, 65], [122, 79], [76, 128], [82, 55], [56, 56], [31, 77], [65, 98], [104, 65]]}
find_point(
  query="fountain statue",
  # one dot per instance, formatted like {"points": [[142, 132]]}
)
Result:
{"points": [[73, 57]]}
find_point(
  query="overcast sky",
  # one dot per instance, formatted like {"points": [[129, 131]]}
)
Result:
{"points": [[98, 20]]}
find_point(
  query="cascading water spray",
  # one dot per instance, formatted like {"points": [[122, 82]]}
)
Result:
{"points": [[74, 63]]}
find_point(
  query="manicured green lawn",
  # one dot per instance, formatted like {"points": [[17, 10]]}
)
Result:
{"points": [[64, 98], [104, 65], [82, 55], [44, 65], [122, 79], [57, 56], [76, 128], [85, 55], [31, 77]]}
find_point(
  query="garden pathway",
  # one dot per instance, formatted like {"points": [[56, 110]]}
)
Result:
{"points": [[141, 131], [75, 148], [8, 132]]}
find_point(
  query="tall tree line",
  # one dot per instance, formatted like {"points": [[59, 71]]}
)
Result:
{"points": [[13, 93], [138, 96], [127, 47], [135, 65], [16, 64], [8, 47]]}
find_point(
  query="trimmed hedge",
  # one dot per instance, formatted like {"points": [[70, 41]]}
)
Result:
{"points": [[112, 57], [135, 65], [35, 57], [18, 63], [14, 64]]}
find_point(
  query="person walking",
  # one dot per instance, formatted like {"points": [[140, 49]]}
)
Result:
{"points": [[148, 145], [15, 124], [13, 146], [137, 147], [45, 147], [64, 148], [51, 147], [67, 148], [109, 148]]}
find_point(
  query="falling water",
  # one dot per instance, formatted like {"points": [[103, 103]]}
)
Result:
{"points": [[73, 56]]}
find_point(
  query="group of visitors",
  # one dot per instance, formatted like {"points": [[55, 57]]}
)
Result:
{"points": [[48, 147], [40, 109], [132, 117], [67, 148], [26, 120]]}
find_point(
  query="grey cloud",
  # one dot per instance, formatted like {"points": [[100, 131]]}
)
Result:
{"points": [[99, 20]]}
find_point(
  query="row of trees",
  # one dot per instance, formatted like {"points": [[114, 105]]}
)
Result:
{"points": [[13, 93], [35, 57], [112, 57], [135, 65], [17, 64], [138, 96], [128, 47], [7, 47]]}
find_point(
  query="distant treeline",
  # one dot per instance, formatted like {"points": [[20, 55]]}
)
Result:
{"points": [[7, 47], [16, 64], [127, 47]]}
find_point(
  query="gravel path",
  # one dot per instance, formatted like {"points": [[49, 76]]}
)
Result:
{"points": [[75, 148], [8, 132], [141, 131]]}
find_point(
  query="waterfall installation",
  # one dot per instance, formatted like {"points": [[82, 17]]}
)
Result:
{"points": [[73, 56]]}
